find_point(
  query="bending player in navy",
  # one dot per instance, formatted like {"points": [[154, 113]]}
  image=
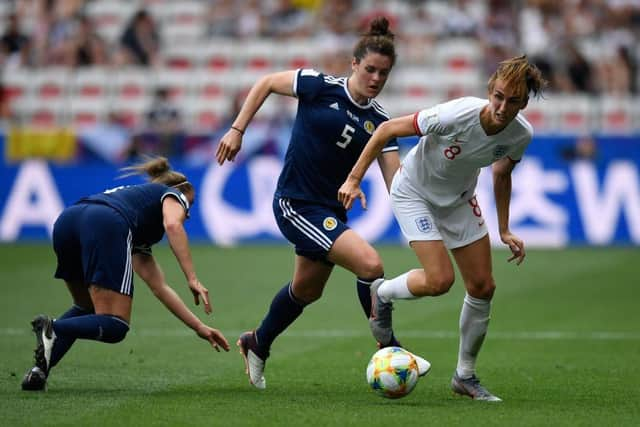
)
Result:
{"points": [[335, 118], [99, 242]]}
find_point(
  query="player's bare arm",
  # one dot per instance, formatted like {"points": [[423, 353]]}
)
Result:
{"points": [[350, 189], [173, 218], [280, 83], [150, 272], [502, 191]]}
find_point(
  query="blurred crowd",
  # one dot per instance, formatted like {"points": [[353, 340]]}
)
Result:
{"points": [[582, 46]]}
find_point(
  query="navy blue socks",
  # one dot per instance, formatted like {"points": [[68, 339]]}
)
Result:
{"points": [[285, 308], [97, 327], [364, 294]]}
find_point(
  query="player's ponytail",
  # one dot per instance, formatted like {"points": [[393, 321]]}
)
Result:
{"points": [[379, 40], [159, 170]]}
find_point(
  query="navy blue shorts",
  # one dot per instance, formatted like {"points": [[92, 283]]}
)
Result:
{"points": [[312, 228], [93, 244]]}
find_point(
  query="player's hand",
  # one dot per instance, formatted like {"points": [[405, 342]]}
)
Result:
{"points": [[516, 245], [200, 293], [349, 191], [228, 146], [214, 336]]}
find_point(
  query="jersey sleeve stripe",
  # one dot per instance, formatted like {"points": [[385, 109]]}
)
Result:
{"points": [[389, 149], [295, 82], [416, 127], [180, 198]]}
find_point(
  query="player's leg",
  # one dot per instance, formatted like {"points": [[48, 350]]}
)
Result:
{"points": [[309, 279], [474, 262], [355, 254], [106, 245], [312, 229]]}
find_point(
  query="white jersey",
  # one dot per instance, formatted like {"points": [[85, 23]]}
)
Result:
{"points": [[446, 162]]}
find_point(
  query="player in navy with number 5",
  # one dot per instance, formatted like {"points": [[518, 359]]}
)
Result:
{"points": [[99, 242], [335, 118]]}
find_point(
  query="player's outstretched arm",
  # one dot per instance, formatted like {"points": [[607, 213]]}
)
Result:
{"points": [[230, 143], [173, 216], [502, 191], [350, 189], [148, 269]]}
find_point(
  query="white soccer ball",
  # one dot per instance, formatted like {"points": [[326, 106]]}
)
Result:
{"points": [[392, 372]]}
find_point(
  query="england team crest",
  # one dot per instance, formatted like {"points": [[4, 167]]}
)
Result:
{"points": [[424, 224], [499, 151]]}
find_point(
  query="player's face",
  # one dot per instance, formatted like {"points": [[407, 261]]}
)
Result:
{"points": [[369, 76], [504, 103]]}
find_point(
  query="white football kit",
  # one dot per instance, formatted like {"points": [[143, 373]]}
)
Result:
{"points": [[433, 192]]}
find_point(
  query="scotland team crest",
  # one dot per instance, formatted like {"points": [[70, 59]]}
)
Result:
{"points": [[369, 127], [330, 223], [424, 224], [499, 152]]}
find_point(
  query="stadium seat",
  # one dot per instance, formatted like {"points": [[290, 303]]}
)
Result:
{"points": [[51, 83], [110, 16], [180, 83], [87, 111], [206, 115], [575, 114], [218, 54], [616, 114], [133, 83], [18, 83], [90, 83]]}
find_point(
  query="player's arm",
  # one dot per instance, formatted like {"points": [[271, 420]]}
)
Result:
{"points": [[148, 269], [502, 191], [280, 83], [173, 216], [394, 128], [389, 163]]}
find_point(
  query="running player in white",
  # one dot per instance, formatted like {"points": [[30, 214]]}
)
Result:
{"points": [[432, 196]]}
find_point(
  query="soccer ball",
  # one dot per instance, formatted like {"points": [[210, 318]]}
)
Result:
{"points": [[392, 372]]}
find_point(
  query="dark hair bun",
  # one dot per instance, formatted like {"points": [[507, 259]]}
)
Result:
{"points": [[380, 27]]}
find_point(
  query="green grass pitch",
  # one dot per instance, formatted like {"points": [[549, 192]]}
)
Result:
{"points": [[563, 347]]}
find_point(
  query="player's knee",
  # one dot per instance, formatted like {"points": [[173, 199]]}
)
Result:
{"points": [[371, 266], [482, 288], [440, 284], [113, 329]]}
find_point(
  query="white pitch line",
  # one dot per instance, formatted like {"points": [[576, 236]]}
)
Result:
{"points": [[343, 333]]}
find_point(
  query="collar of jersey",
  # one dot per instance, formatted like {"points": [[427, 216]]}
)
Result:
{"points": [[346, 90]]}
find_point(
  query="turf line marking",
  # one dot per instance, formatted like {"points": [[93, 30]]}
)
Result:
{"points": [[343, 333]]}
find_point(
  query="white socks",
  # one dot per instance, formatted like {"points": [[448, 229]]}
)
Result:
{"points": [[395, 288], [474, 321]]}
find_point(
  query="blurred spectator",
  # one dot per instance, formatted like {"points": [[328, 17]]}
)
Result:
{"points": [[5, 108], [579, 71], [584, 148], [86, 47], [140, 42], [14, 45], [165, 135], [287, 20], [463, 19], [251, 22], [222, 18]]}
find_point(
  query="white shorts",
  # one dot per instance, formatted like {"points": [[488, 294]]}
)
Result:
{"points": [[419, 220]]}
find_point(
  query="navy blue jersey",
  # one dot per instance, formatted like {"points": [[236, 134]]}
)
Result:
{"points": [[329, 133], [141, 207]]}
